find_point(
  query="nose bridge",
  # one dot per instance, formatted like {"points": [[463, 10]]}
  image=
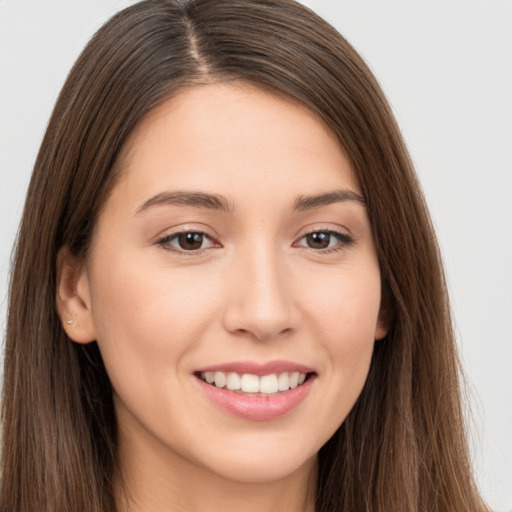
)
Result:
{"points": [[261, 303]]}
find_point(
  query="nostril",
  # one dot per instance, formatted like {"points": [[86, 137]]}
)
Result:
{"points": [[263, 309]]}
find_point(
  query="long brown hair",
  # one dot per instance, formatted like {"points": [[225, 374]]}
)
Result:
{"points": [[403, 445]]}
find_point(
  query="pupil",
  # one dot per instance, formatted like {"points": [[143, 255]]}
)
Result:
{"points": [[190, 241], [318, 240]]}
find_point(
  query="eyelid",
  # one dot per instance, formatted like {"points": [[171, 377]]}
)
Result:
{"points": [[344, 240], [164, 242]]}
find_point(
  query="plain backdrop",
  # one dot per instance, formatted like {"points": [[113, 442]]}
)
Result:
{"points": [[446, 67]]}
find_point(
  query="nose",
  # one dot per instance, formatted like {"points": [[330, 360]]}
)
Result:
{"points": [[260, 303]]}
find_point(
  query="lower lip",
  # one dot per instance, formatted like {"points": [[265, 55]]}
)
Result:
{"points": [[257, 407]]}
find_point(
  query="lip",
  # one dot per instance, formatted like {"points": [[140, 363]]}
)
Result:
{"points": [[257, 368], [257, 407]]}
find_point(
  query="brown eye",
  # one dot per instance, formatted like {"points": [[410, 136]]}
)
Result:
{"points": [[325, 241], [318, 240], [187, 241], [190, 241]]}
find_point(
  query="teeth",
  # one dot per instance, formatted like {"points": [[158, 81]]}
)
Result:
{"points": [[249, 383], [268, 384], [233, 381], [220, 379], [283, 382]]}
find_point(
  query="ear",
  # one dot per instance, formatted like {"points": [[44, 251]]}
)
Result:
{"points": [[74, 298], [383, 323]]}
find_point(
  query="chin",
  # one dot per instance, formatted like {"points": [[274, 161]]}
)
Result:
{"points": [[260, 462], [272, 469]]}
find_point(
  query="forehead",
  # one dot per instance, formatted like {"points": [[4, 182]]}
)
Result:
{"points": [[228, 134]]}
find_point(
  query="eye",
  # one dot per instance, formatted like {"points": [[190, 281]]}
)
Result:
{"points": [[187, 241], [325, 240]]}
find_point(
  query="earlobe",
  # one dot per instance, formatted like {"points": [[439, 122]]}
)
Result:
{"points": [[380, 332], [74, 298], [382, 328]]}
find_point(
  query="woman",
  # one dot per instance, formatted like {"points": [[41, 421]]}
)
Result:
{"points": [[227, 291]]}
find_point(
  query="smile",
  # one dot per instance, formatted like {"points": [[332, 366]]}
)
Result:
{"points": [[254, 384], [257, 392]]}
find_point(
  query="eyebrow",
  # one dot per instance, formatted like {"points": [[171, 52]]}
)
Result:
{"points": [[195, 199], [304, 203], [221, 203]]}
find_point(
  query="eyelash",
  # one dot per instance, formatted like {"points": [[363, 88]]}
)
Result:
{"points": [[165, 242], [343, 239]]}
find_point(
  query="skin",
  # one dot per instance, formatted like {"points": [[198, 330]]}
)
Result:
{"points": [[254, 291]]}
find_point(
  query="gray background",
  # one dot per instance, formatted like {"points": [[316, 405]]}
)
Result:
{"points": [[446, 67]]}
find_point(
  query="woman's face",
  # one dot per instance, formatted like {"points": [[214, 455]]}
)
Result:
{"points": [[235, 247]]}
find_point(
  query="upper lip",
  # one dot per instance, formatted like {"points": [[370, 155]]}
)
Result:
{"points": [[258, 368]]}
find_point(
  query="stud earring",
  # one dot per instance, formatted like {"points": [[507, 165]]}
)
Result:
{"points": [[73, 323]]}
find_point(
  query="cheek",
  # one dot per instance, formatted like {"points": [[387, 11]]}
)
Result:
{"points": [[346, 307], [148, 299], [148, 319], [149, 325], [356, 323], [345, 324]]}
